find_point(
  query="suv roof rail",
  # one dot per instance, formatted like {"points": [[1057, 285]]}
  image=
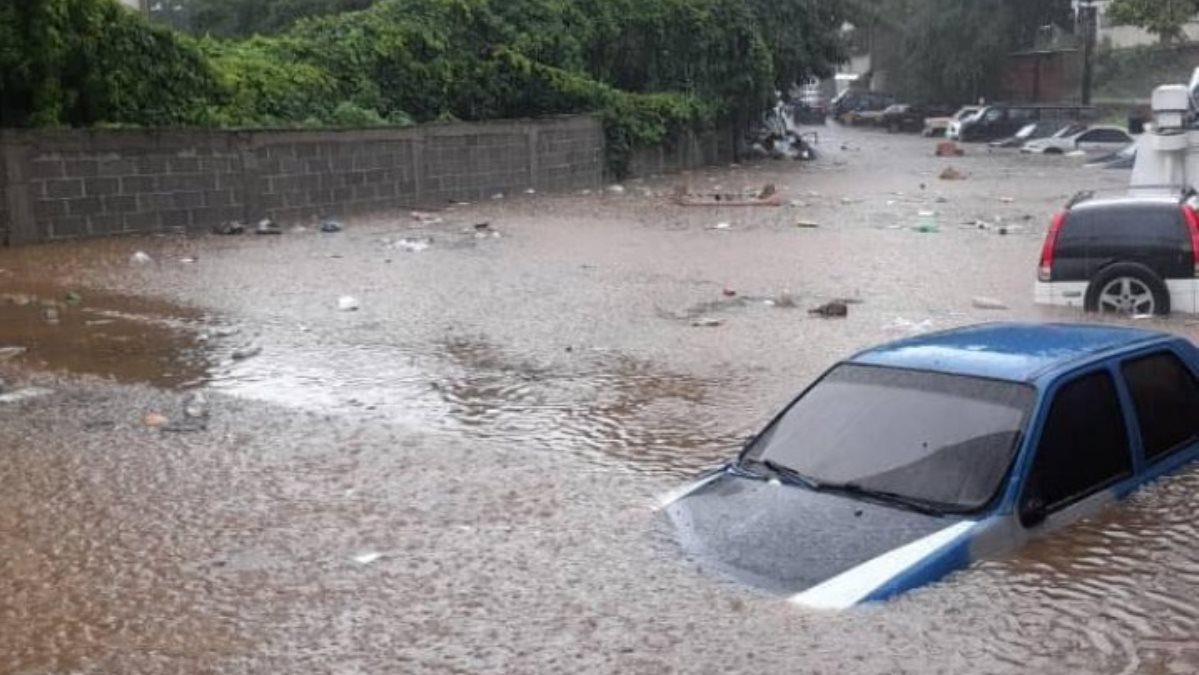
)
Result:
{"points": [[1080, 197]]}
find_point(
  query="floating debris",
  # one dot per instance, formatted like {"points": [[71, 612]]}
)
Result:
{"points": [[832, 310], [25, 394], [949, 149], [347, 303], [229, 227], [268, 226], [951, 173], [9, 353], [243, 353], [413, 245], [330, 226], [141, 258], [706, 322], [155, 420], [988, 303], [367, 558], [807, 225]]}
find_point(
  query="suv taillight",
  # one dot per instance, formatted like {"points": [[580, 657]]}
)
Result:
{"points": [[1045, 270], [1192, 219]]}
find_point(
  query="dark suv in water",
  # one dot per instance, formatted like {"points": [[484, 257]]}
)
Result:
{"points": [[1130, 255]]}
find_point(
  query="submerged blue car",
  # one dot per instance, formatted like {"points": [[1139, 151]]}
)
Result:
{"points": [[910, 460]]}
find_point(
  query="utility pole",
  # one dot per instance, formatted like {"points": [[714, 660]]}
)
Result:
{"points": [[1088, 22]]}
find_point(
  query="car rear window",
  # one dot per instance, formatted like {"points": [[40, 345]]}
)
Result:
{"points": [[1166, 398], [946, 439], [1124, 224]]}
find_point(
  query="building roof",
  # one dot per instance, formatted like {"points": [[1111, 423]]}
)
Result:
{"points": [[1018, 352]]}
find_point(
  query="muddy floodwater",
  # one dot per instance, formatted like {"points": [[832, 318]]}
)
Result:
{"points": [[458, 476]]}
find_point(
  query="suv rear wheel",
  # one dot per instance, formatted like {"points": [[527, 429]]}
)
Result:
{"points": [[1128, 288]]}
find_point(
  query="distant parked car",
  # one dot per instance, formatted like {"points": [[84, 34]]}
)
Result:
{"points": [[1128, 255], [1124, 158], [914, 459], [856, 101], [909, 117], [939, 126], [1093, 139], [1034, 131], [1003, 120]]}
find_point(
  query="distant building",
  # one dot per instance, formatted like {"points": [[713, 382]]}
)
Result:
{"points": [[1120, 37]]}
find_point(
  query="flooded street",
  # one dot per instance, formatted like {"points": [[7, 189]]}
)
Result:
{"points": [[459, 476]]}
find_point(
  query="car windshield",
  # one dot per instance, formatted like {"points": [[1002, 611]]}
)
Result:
{"points": [[1026, 131], [943, 439], [1070, 130]]}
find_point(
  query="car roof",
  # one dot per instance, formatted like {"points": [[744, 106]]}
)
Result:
{"points": [[1163, 199], [1017, 352]]}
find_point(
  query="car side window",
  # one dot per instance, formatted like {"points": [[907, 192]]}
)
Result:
{"points": [[1083, 447], [994, 115], [1166, 398]]}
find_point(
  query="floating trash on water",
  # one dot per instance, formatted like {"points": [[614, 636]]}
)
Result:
{"points": [[616, 189], [530, 191], [9, 353], [367, 558], [189, 260], [498, 196], [229, 227], [988, 303], [243, 353], [155, 420], [347, 303], [722, 226], [706, 322], [832, 310], [412, 245], [330, 226], [25, 394], [196, 406], [141, 258], [268, 226], [951, 173], [72, 298]]}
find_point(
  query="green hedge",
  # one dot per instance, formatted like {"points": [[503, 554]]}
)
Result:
{"points": [[652, 69]]}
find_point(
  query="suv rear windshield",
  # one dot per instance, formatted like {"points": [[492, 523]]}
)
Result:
{"points": [[1110, 224], [943, 439]]}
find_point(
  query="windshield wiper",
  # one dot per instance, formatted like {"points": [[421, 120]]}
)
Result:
{"points": [[783, 473], [892, 498]]}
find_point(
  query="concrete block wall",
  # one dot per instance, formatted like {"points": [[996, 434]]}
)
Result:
{"points": [[64, 184], [59, 184], [689, 151]]}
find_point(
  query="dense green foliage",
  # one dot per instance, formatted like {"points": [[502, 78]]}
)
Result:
{"points": [[650, 68], [88, 62], [1163, 18]]}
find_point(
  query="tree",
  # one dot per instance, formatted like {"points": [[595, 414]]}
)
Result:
{"points": [[1164, 18], [87, 62], [240, 18]]}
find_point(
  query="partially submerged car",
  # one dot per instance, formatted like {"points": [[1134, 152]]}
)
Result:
{"points": [[1135, 255], [939, 126], [1092, 139], [911, 460], [909, 116], [1124, 158], [1034, 131]]}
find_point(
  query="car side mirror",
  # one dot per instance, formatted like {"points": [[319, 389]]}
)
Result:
{"points": [[1033, 510]]}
